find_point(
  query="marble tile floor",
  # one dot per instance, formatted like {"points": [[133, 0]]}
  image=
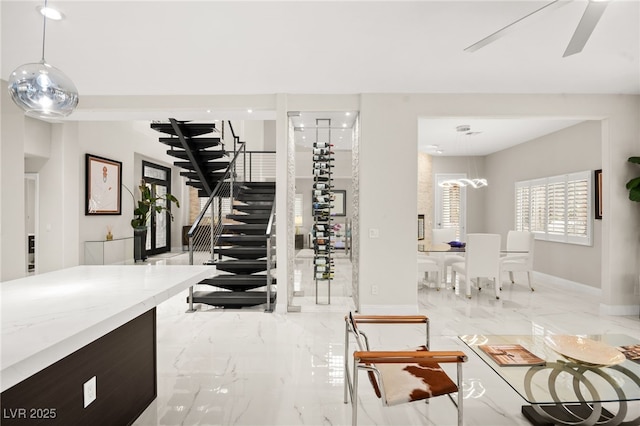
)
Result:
{"points": [[246, 367]]}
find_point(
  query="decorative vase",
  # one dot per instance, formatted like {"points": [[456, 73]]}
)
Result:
{"points": [[140, 243], [109, 236]]}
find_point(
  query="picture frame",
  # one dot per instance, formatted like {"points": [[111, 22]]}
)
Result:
{"points": [[339, 203], [420, 227], [597, 182], [103, 186]]}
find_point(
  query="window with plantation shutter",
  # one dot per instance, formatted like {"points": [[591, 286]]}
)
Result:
{"points": [[556, 208], [450, 205]]}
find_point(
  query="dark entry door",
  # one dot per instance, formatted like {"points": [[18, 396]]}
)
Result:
{"points": [[158, 178]]}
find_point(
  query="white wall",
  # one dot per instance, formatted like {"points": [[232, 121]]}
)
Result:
{"points": [[129, 143], [577, 148], [12, 236]]}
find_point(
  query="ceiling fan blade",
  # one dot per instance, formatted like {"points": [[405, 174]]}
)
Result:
{"points": [[506, 30], [589, 20]]}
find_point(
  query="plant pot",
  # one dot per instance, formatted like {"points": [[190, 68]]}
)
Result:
{"points": [[140, 243]]}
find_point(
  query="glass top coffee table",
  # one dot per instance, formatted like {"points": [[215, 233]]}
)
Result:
{"points": [[563, 390]]}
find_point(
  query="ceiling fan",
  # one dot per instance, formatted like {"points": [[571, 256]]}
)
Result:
{"points": [[589, 20]]}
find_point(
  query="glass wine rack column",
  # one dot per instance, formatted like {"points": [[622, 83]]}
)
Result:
{"points": [[323, 267]]}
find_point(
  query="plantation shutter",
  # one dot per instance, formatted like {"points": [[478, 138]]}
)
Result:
{"points": [[538, 207], [556, 208], [451, 208], [523, 204], [577, 206]]}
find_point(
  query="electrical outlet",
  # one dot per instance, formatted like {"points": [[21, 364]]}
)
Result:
{"points": [[90, 391], [374, 290]]}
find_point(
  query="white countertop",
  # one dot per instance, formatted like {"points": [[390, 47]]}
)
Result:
{"points": [[49, 316]]}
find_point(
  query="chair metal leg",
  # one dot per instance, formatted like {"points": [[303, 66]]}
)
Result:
{"points": [[460, 395], [346, 360], [529, 275], [354, 397], [511, 277], [495, 284]]}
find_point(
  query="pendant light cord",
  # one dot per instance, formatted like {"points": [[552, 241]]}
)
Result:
{"points": [[44, 28]]}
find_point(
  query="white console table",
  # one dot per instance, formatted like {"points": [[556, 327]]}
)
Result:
{"points": [[118, 251]]}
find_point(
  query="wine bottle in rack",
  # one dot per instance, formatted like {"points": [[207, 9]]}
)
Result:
{"points": [[322, 145]]}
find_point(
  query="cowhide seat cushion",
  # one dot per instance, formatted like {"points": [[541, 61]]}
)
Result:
{"points": [[412, 382]]}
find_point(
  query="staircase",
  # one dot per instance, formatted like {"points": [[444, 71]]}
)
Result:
{"points": [[204, 167], [243, 253], [239, 229]]}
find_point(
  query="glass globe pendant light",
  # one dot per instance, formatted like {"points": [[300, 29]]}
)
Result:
{"points": [[41, 90]]}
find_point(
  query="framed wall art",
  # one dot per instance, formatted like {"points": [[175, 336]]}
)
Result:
{"points": [[597, 180], [103, 180], [339, 203]]}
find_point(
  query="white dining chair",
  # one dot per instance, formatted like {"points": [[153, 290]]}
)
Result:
{"points": [[445, 235], [482, 260], [426, 265], [523, 241]]}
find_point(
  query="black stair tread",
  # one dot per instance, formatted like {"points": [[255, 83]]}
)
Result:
{"points": [[204, 155], [246, 253], [254, 197], [258, 191], [232, 299], [245, 228], [250, 218], [243, 240], [237, 282], [253, 207], [187, 129], [211, 174], [208, 167], [259, 184], [242, 266], [198, 143], [197, 184]]}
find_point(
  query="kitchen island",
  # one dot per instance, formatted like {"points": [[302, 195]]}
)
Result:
{"points": [[78, 345]]}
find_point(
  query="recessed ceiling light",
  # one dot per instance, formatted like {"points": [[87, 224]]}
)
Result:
{"points": [[344, 124], [347, 114], [439, 151], [50, 13], [249, 111], [304, 137], [208, 111]]}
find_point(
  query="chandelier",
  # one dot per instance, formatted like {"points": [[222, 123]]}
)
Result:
{"points": [[465, 130], [42, 90]]}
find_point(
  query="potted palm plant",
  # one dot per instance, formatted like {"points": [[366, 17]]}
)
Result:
{"points": [[634, 184], [143, 208]]}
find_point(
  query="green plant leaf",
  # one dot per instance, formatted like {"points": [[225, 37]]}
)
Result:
{"points": [[634, 194], [634, 183], [635, 160]]}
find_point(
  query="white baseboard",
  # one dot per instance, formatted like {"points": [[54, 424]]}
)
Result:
{"points": [[566, 284], [620, 310], [388, 309], [613, 310]]}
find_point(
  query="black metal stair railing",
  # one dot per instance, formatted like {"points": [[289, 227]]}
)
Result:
{"points": [[271, 253], [207, 228]]}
